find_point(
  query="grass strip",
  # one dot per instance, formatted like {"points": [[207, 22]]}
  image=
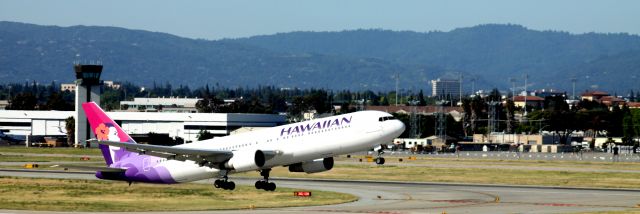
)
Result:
{"points": [[45, 150], [23, 158], [107, 196], [473, 175]]}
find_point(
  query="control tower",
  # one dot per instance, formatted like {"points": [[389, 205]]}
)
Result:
{"points": [[88, 86]]}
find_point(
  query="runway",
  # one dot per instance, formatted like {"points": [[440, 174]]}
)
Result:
{"points": [[400, 197]]}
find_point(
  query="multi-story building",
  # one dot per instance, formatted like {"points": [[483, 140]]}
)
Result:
{"points": [[445, 88], [111, 84], [68, 87], [164, 104], [72, 86]]}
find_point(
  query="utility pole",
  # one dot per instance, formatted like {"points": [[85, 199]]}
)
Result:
{"points": [[493, 117], [441, 120], [397, 77], [573, 82], [526, 77], [513, 86], [473, 85], [460, 82]]}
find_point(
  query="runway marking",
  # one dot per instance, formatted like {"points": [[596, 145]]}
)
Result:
{"points": [[356, 211], [557, 205], [556, 192], [458, 201], [567, 205]]}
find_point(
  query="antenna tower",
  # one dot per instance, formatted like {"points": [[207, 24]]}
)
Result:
{"points": [[473, 85], [397, 78], [415, 121], [493, 117], [441, 120], [573, 82]]}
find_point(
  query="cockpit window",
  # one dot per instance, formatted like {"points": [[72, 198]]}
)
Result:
{"points": [[382, 119]]}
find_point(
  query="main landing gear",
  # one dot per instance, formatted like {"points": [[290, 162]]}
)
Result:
{"points": [[224, 183], [264, 183]]}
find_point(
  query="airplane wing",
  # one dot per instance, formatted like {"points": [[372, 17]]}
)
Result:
{"points": [[203, 157]]}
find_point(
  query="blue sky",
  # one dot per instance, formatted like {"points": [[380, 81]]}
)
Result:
{"points": [[241, 18]]}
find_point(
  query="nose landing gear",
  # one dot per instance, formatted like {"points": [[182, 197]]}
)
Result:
{"points": [[379, 159]]}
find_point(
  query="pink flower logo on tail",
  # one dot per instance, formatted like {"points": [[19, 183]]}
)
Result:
{"points": [[107, 132], [102, 132]]}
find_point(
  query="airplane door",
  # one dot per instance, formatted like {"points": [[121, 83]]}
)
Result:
{"points": [[146, 164]]}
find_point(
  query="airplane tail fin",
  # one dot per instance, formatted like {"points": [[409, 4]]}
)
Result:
{"points": [[106, 129]]}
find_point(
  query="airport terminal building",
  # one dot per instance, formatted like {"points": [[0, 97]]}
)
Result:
{"points": [[184, 125]]}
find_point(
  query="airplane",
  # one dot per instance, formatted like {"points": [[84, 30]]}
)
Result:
{"points": [[307, 146], [12, 139]]}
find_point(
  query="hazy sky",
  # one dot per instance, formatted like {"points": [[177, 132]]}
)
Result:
{"points": [[238, 18]]}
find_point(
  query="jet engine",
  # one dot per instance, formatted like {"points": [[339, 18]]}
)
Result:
{"points": [[317, 165], [246, 160]]}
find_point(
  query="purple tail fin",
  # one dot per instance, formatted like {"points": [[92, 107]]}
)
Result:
{"points": [[106, 129]]}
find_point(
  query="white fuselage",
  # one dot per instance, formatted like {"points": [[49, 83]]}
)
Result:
{"points": [[296, 143]]}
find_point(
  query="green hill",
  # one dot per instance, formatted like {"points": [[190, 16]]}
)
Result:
{"points": [[358, 59]]}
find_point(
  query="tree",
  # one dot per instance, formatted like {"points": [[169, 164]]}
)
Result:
{"points": [[318, 101], [556, 103], [477, 107], [421, 100], [615, 118], [110, 99], [204, 134], [494, 95], [562, 122], [384, 101], [209, 105], [56, 102], [23, 101], [70, 127], [627, 125], [298, 106], [466, 120]]}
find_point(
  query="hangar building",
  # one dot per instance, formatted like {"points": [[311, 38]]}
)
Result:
{"points": [[184, 125]]}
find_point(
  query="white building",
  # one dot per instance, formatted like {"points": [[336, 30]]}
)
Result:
{"points": [[72, 86], [111, 84], [68, 87], [164, 104], [445, 88], [4, 104], [184, 125]]}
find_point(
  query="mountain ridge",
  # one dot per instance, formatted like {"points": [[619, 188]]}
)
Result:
{"points": [[356, 59]]}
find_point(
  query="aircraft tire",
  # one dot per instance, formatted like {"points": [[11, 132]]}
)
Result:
{"points": [[259, 185], [231, 185], [271, 186], [380, 161]]}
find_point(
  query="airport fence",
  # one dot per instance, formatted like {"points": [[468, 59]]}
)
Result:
{"points": [[502, 155]]}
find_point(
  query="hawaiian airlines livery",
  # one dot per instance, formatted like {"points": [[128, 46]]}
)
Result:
{"points": [[303, 147]]}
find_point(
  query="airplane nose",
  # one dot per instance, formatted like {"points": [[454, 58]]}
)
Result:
{"points": [[397, 127]]}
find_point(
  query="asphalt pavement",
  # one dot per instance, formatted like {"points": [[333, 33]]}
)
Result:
{"points": [[425, 197]]}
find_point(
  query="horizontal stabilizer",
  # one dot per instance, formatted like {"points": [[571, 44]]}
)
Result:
{"points": [[173, 152], [92, 168]]}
